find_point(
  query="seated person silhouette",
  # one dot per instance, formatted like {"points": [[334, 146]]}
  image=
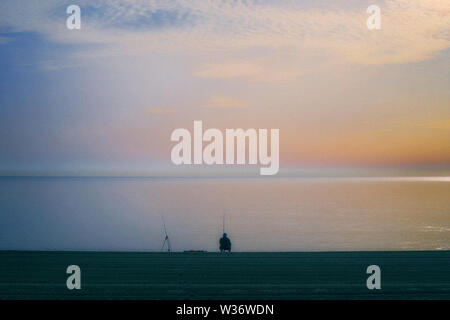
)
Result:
{"points": [[225, 243]]}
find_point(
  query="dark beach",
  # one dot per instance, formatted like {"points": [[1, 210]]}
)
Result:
{"points": [[258, 275]]}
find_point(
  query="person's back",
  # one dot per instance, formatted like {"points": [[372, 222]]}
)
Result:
{"points": [[225, 243]]}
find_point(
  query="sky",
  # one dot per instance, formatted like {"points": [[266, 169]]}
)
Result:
{"points": [[104, 99]]}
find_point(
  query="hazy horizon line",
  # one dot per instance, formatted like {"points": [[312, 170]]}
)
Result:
{"points": [[393, 178]]}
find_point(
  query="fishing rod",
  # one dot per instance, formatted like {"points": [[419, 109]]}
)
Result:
{"points": [[166, 239], [223, 222]]}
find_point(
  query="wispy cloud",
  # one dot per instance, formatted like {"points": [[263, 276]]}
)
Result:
{"points": [[246, 70], [412, 30], [436, 124], [225, 102], [230, 70], [159, 111]]}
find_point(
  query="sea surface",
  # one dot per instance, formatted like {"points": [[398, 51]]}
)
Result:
{"points": [[261, 214]]}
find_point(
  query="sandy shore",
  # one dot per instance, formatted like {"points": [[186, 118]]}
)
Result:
{"points": [[271, 275]]}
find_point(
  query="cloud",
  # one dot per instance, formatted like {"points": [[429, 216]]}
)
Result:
{"points": [[159, 111], [412, 30], [225, 102], [436, 124], [246, 70], [230, 70]]}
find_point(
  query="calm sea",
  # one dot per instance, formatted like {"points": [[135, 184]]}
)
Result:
{"points": [[278, 214]]}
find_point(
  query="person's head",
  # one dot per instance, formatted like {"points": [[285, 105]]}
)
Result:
{"points": [[224, 235]]}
